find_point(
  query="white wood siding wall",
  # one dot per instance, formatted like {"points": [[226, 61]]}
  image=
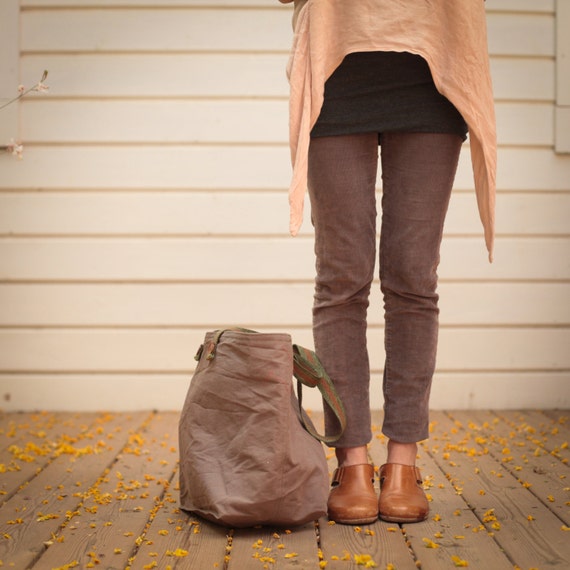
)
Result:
{"points": [[151, 206]]}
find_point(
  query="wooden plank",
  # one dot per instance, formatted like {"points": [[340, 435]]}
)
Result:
{"points": [[543, 432], [225, 213], [172, 350], [169, 304], [38, 514], [451, 524], [560, 417], [254, 259], [30, 443], [177, 167], [506, 505], [341, 544], [276, 548], [17, 429], [515, 447], [206, 544], [191, 29], [116, 509]]}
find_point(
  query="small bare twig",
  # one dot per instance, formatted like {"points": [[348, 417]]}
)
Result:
{"points": [[39, 86], [15, 148]]}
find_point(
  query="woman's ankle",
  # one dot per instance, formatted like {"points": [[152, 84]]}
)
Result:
{"points": [[347, 456], [402, 453]]}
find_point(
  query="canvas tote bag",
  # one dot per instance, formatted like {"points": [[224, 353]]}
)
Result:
{"points": [[247, 456]]}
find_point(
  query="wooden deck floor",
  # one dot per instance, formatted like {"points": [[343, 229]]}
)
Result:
{"points": [[100, 491]]}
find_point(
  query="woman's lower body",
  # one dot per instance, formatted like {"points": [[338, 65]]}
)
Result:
{"points": [[418, 169]]}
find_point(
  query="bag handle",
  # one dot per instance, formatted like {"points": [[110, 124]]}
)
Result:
{"points": [[308, 370], [214, 343]]}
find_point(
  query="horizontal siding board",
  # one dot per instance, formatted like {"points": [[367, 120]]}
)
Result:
{"points": [[534, 6], [82, 4], [251, 259], [218, 121], [162, 214], [232, 167], [521, 34], [450, 390], [167, 121], [153, 29], [230, 75], [460, 349], [530, 6], [203, 29], [501, 390], [162, 75], [510, 78], [261, 304]]}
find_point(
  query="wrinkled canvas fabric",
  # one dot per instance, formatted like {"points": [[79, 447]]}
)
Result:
{"points": [[245, 458], [450, 36]]}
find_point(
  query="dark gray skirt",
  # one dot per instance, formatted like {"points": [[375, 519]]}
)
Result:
{"points": [[385, 92]]}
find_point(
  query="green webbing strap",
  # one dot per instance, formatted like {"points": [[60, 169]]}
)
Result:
{"points": [[308, 370]]}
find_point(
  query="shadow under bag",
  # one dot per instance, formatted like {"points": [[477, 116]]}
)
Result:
{"points": [[249, 455]]}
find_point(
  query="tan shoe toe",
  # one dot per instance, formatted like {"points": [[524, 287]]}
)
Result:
{"points": [[352, 499], [402, 498]]}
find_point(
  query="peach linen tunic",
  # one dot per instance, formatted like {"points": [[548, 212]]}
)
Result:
{"points": [[451, 35]]}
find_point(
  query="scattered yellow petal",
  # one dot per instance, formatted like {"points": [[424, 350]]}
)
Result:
{"points": [[459, 562], [179, 553], [43, 518], [291, 555], [73, 564], [364, 560], [430, 543]]}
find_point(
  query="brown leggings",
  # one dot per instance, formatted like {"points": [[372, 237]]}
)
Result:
{"points": [[418, 170]]}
